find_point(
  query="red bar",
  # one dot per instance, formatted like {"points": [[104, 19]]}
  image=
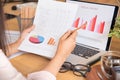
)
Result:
{"points": [[101, 27], [76, 23], [92, 24]]}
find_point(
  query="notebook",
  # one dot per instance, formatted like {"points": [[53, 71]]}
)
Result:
{"points": [[53, 20], [93, 41]]}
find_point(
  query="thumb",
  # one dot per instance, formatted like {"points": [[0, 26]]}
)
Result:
{"points": [[66, 35], [28, 30], [73, 35]]}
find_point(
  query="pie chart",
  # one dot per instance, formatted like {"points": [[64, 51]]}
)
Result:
{"points": [[36, 39]]}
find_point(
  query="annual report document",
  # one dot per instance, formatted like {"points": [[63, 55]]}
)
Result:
{"points": [[52, 20]]}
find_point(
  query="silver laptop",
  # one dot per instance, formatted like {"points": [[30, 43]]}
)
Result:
{"points": [[92, 41]]}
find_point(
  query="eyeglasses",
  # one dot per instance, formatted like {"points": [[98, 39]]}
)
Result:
{"points": [[78, 69]]}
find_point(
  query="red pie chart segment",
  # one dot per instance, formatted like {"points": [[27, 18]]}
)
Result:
{"points": [[36, 39]]}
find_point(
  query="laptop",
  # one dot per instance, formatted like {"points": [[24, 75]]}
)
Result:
{"points": [[93, 40]]}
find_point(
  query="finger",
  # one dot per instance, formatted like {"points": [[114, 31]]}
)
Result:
{"points": [[66, 34], [73, 35]]}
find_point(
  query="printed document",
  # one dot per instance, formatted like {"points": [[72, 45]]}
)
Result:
{"points": [[52, 20]]}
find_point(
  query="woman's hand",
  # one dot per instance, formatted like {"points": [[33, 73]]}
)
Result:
{"points": [[25, 13], [25, 33], [65, 47], [66, 43], [13, 47]]}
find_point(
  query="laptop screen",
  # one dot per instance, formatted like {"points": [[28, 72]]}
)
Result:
{"points": [[100, 19]]}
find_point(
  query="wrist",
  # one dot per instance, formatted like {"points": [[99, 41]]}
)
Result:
{"points": [[19, 41], [60, 56], [56, 63], [13, 47]]}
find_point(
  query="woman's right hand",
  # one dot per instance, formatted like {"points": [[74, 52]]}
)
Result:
{"points": [[67, 43], [65, 47]]}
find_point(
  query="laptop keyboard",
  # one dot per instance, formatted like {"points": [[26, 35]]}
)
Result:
{"points": [[84, 51]]}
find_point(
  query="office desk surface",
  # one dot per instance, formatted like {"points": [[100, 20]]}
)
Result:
{"points": [[27, 63]]}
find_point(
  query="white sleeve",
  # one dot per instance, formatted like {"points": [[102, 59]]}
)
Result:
{"points": [[7, 71], [41, 75]]}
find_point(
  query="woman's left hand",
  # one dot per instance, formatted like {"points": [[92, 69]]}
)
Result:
{"points": [[25, 33], [13, 47]]}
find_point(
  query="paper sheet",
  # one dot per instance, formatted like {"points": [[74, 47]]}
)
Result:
{"points": [[52, 20]]}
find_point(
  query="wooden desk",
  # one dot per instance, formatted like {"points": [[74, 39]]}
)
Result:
{"points": [[28, 63]]}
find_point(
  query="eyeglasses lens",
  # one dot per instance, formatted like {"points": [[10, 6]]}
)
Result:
{"points": [[65, 67], [78, 70]]}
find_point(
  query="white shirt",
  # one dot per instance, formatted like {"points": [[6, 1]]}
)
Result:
{"points": [[8, 72]]}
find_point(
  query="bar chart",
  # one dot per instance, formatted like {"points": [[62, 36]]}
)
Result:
{"points": [[93, 24]]}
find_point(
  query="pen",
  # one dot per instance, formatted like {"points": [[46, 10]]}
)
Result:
{"points": [[81, 27]]}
